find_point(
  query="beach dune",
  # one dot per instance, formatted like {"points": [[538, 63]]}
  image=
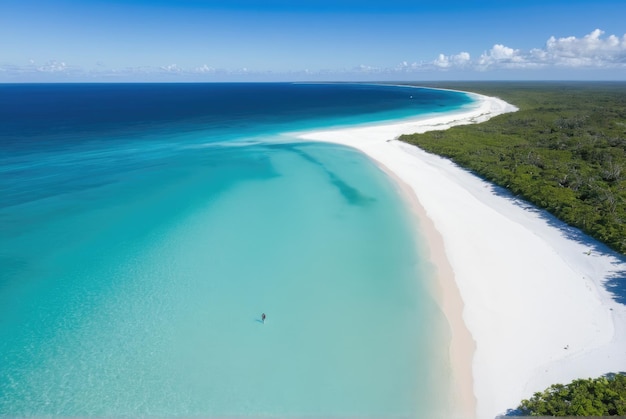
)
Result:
{"points": [[533, 291]]}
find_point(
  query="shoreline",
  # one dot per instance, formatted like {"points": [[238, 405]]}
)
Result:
{"points": [[446, 294], [527, 293]]}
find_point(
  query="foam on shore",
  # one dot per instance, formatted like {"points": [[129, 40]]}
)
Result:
{"points": [[536, 294]]}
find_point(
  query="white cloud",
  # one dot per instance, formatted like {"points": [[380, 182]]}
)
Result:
{"points": [[458, 60], [502, 57], [52, 67], [406, 67], [366, 69], [501, 53], [205, 69], [594, 51], [591, 51], [172, 68]]}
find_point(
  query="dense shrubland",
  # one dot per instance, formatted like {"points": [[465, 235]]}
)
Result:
{"points": [[564, 150], [604, 396]]}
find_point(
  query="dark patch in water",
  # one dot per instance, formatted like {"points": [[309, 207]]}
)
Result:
{"points": [[353, 195]]}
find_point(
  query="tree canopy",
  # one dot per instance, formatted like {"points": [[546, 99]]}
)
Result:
{"points": [[604, 396], [564, 150]]}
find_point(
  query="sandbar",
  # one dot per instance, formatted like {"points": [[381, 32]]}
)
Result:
{"points": [[528, 298]]}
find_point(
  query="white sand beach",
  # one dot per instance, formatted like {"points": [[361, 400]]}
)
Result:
{"points": [[534, 292]]}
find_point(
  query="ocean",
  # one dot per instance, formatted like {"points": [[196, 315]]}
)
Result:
{"points": [[145, 228]]}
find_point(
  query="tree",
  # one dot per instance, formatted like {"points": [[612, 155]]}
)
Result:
{"points": [[603, 396], [564, 150]]}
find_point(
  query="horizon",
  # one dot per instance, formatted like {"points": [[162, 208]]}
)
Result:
{"points": [[313, 41], [429, 84]]}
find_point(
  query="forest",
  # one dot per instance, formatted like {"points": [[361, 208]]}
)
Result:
{"points": [[603, 396], [563, 151]]}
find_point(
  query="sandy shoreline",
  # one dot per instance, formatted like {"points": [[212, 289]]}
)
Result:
{"points": [[460, 401], [536, 305]]}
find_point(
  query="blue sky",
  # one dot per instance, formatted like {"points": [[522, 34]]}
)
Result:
{"points": [[246, 40]]}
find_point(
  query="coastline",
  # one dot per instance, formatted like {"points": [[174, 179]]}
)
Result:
{"points": [[514, 281], [459, 400]]}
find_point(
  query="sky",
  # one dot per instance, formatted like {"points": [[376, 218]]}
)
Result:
{"points": [[311, 40]]}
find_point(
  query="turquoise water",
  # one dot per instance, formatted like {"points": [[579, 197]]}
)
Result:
{"points": [[135, 289]]}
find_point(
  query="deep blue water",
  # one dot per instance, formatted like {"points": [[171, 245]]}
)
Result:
{"points": [[65, 113], [145, 227]]}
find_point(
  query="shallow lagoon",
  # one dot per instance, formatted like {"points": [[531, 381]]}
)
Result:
{"points": [[138, 266]]}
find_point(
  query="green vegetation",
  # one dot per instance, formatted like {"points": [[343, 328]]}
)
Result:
{"points": [[564, 150], [604, 396]]}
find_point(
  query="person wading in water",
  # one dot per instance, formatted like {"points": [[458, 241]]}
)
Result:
{"points": [[263, 316]]}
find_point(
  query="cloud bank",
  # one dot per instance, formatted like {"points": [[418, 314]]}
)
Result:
{"points": [[589, 52], [594, 51]]}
